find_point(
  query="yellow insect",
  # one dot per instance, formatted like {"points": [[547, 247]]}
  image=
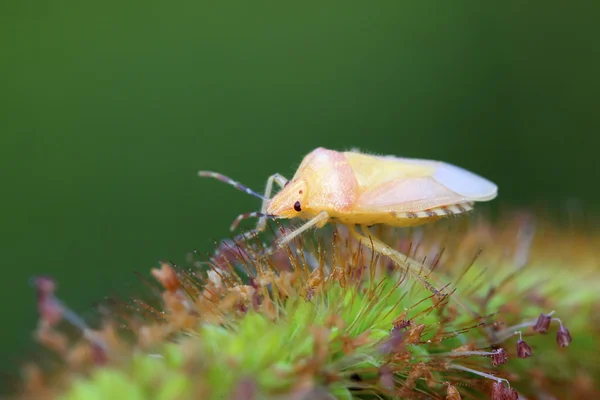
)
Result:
{"points": [[355, 188]]}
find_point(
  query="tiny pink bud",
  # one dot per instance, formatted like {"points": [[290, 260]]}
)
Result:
{"points": [[542, 323], [393, 344], [402, 324], [563, 337], [44, 285], [498, 391], [50, 310], [511, 394], [310, 292], [167, 277], [228, 253], [499, 357], [99, 354], [523, 349], [386, 377], [501, 392], [245, 389]]}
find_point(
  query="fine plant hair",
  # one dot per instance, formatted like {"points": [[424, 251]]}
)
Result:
{"points": [[477, 309]]}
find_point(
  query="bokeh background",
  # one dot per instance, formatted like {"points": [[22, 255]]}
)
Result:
{"points": [[108, 109]]}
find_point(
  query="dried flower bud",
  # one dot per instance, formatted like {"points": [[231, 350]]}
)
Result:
{"points": [[498, 391], [229, 253], [167, 277], [393, 344], [99, 354], [401, 324], [542, 323], [44, 286], [50, 310], [386, 377], [511, 394], [501, 392], [523, 349], [452, 393], [499, 357], [245, 389], [563, 337], [414, 334]]}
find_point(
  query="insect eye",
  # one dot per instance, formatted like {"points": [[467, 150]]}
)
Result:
{"points": [[297, 206]]}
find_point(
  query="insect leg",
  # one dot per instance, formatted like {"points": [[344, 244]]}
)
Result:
{"points": [[279, 180], [242, 217], [262, 217], [319, 219], [398, 258]]}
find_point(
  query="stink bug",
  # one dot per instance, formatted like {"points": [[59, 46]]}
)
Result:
{"points": [[355, 188]]}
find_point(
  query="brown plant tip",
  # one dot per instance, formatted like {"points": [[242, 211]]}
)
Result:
{"points": [[501, 392], [414, 334], [386, 377], [498, 391], [523, 349], [310, 292], [499, 357], [563, 336], [99, 355], [44, 285], [452, 393], [245, 390], [401, 324], [511, 394], [50, 310], [167, 277], [542, 323], [393, 344]]}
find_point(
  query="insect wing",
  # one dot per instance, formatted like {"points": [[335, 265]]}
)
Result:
{"points": [[443, 185], [372, 172], [457, 179]]}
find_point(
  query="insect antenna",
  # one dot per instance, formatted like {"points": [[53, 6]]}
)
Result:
{"points": [[223, 178], [242, 217]]}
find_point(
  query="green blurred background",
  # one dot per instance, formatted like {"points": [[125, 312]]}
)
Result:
{"points": [[108, 109]]}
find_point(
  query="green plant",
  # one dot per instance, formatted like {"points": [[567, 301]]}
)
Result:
{"points": [[326, 318]]}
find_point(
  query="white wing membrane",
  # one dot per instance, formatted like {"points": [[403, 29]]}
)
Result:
{"points": [[465, 183], [447, 185]]}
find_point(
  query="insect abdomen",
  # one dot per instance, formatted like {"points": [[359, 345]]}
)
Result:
{"points": [[443, 211]]}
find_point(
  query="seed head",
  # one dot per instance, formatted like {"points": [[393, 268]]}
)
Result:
{"points": [[563, 336], [502, 392], [49, 308], [523, 349], [332, 303], [167, 277], [499, 357], [452, 393], [542, 323]]}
